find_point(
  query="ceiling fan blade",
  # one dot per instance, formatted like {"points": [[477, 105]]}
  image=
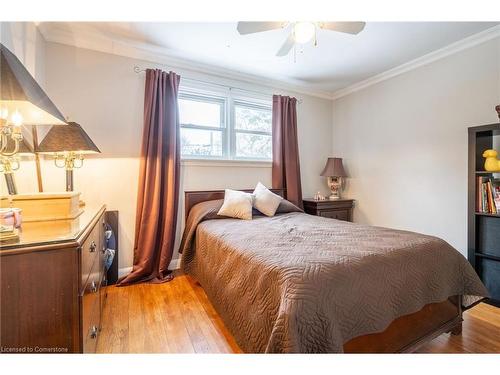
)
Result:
{"points": [[256, 27], [287, 46], [343, 27]]}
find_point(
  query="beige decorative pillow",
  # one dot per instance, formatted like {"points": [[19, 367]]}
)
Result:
{"points": [[265, 200], [237, 204]]}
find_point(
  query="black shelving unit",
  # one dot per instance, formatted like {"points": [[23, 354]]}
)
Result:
{"points": [[483, 229]]}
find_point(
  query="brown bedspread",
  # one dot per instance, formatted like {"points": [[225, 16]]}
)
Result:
{"points": [[296, 283]]}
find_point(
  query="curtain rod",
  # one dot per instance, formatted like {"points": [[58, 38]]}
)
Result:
{"points": [[138, 69]]}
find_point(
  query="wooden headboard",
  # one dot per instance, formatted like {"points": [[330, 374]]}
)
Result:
{"points": [[193, 197]]}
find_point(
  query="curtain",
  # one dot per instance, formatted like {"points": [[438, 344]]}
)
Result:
{"points": [[158, 193], [286, 169]]}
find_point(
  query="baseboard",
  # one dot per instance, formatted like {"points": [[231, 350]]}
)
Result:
{"points": [[174, 265], [124, 271]]}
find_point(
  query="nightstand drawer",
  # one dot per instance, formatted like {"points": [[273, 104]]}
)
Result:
{"points": [[340, 209], [337, 214]]}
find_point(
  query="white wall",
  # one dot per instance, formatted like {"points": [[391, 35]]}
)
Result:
{"points": [[27, 43], [102, 93], [404, 141]]}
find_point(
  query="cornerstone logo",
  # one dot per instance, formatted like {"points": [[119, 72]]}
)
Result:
{"points": [[32, 349]]}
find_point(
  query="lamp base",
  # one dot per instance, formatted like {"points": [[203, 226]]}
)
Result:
{"points": [[11, 183], [335, 185], [69, 179]]}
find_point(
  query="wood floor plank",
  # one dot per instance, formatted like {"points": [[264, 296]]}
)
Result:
{"points": [[114, 337], [213, 316], [214, 340], [137, 332], [487, 313], [158, 341], [177, 317], [172, 316], [192, 319]]}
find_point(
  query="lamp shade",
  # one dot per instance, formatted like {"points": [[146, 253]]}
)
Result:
{"points": [[67, 138], [334, 168], [21, 97]]}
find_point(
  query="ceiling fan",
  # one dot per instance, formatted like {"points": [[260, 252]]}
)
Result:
{"points": [[302, 32]]}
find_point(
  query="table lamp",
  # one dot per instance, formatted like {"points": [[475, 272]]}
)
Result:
{"points": [[68, 144], [10, 164], [22, 102], [334, 170]]}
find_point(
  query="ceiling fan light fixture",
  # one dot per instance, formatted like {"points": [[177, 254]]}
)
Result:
{"points": [[304, 31]]}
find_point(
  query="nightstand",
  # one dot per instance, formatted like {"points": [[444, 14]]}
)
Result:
{"points": [[340, 209]]}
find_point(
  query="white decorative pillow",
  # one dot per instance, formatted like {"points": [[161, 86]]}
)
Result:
{"points": [[265, 200], [237, 204]]}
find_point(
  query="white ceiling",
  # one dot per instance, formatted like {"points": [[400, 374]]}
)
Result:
{"points": [[338, 61]]}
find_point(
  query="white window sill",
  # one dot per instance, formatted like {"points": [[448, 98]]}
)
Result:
{"points": [[226, 163]]}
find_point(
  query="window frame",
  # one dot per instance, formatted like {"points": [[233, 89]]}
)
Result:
{"points": [[207, 98], [233, 130], [229, 98]]}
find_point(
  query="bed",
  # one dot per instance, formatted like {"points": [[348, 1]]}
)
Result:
{"points": [[296, 283]]}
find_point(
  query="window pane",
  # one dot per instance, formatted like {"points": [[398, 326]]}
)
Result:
{"points": [[199, 142], [253, 146], [249, 118], [200, 113]]}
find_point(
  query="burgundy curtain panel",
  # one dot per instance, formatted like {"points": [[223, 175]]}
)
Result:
{"points": [[158, 193], [286, 169]]}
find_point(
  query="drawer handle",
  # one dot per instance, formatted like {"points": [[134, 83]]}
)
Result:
{"points": [[93, 246], [93, 332], [93, 287]]}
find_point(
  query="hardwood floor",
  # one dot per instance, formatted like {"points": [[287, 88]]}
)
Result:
{"points": [[176, 317]]}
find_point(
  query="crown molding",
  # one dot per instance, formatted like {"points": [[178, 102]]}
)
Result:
{"points": [[441, 53], [97, 41], [93, 40]]}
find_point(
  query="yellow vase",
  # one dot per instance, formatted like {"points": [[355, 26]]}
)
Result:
{"points": [[492, 164]]}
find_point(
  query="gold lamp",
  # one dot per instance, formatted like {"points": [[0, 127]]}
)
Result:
{"points": [[68, 144], [22, 102], [10, 164], [335, 172]]}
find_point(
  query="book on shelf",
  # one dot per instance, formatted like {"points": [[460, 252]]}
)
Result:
{"points": [[488, 195]]}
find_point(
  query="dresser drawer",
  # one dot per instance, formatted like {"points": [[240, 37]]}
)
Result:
{"points": [[91, 310], [336, 214], [90, 251], [91, 331]]}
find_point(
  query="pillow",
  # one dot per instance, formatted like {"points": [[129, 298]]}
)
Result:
{"points": [[286, 207], [237, 204], [265, 200]]}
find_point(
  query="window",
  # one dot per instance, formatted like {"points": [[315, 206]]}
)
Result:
{"points": [[225, 127], [252, 131], [202, 126]]}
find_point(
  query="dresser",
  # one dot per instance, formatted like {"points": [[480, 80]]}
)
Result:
{"points": [[340, 209], [52, 286]]}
